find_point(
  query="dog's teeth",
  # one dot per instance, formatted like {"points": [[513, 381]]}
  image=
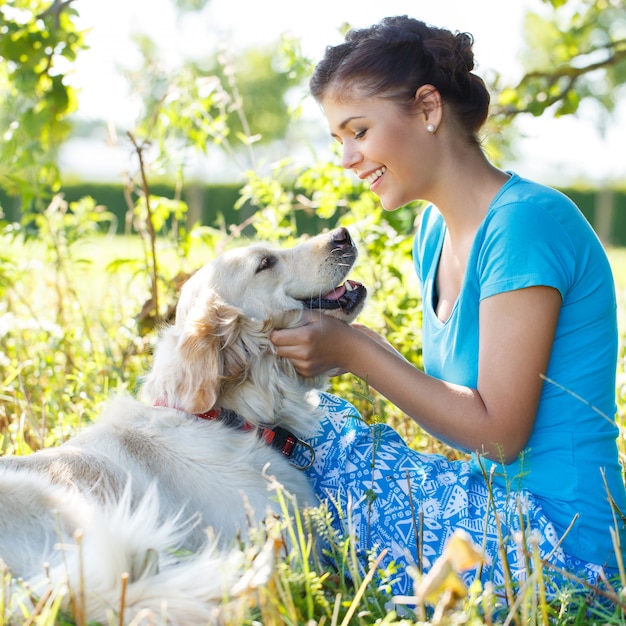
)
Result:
{"points": [[349, 286]]}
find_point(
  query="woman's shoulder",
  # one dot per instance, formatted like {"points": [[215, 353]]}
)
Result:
{"points": [[538, 233], [528, 194], [527, 208]]}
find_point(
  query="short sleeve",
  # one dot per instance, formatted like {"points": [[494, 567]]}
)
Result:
{"points": [[523, 245]]}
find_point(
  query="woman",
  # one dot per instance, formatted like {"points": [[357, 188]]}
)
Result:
{"points": [[519, 325]]}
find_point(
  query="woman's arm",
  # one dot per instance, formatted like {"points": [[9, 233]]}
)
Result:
{"points": [[516, 334]]}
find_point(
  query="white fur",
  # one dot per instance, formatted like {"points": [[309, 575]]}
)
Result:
{"points": [[158, 493]]}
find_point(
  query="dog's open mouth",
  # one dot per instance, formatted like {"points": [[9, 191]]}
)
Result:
{"points": [[346, 297]]}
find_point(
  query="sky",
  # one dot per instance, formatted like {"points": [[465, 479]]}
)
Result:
{"points": [[554, 151]]}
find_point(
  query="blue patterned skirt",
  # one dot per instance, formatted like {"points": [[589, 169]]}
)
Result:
{"points": [[388, 496]]}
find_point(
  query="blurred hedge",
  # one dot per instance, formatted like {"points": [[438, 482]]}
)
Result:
{"points": [[210, 205], [213, 205]]}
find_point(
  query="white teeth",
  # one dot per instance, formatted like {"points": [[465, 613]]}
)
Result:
{"points": [[349, 286], [372, 178]]}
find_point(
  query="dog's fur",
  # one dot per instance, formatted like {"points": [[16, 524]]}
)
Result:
{"points": [[143, 484]]}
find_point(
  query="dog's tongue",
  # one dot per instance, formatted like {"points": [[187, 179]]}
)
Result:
{"points": [[335, 294]]}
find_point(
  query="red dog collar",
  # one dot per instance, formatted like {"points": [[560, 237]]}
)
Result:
{"points": [[277, 437]]}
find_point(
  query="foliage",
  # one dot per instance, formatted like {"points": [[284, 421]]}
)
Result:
{"points": [[228, 101], [38, 41], [260, 91], [576, 51]]}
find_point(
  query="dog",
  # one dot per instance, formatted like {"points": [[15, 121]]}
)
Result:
{"points": [[157, 490]]}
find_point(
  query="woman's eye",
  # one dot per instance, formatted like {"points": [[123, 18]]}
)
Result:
{"points": [[360, 134], [266, 263]]}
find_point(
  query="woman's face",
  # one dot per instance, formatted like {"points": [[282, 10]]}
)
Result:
{"points": [[383, 145]]}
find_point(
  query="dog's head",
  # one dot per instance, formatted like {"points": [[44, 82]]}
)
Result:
{"points": [[266, 283], [218, 353]]}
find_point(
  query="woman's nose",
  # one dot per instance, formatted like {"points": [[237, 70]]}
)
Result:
{"points": [[350, 156]]}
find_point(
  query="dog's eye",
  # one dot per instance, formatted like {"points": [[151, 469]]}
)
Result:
{"points": [[266, 263]]}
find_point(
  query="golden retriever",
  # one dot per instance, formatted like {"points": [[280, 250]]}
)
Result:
{"points": [[220, 413]]}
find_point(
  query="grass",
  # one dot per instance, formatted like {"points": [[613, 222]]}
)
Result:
{"points": [[71, 334]]}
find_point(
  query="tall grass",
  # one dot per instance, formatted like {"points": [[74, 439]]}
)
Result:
{"points": [[72, 333]]}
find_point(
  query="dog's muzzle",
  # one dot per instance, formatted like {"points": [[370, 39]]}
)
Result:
{"points": [[345, 297]]}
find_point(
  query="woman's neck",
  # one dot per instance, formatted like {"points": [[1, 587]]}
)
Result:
{"points": [[464, 202]]}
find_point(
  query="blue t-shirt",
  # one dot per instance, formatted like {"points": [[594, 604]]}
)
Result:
{"points": [[533, 235]]}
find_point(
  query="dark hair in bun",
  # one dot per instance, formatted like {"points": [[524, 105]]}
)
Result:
{"points": [[395, 57]]}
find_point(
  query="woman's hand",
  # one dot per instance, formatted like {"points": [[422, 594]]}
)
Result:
{"points": [[321, 345]]}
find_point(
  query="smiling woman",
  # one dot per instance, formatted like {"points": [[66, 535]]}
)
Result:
{"points": [[517, 292]]}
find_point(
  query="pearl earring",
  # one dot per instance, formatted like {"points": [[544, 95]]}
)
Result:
{"points": [[431, 128]]}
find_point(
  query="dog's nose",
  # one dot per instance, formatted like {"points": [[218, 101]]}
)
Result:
{"points": [[341, 238]]}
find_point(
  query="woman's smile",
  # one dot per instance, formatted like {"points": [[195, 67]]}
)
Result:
{"points": [[372, 178]]}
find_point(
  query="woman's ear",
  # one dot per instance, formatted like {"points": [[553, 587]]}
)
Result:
{"points": [[428, 103]]}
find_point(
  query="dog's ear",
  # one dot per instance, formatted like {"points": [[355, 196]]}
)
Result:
{"points": [[215, 348], [211, 350]]}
